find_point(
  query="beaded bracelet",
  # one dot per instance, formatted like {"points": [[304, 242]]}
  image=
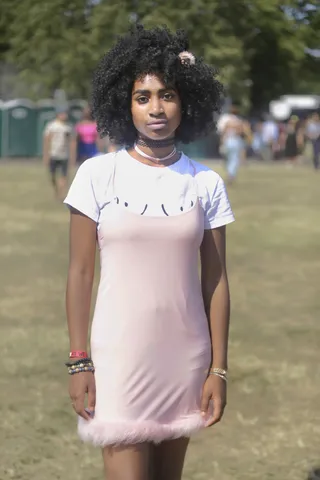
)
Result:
{"points": [[72, 371], [81, 365], [81, 361]]}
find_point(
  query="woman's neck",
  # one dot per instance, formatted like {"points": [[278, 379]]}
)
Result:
{"points": [[140, 152], [155, 144], [157, 150]]}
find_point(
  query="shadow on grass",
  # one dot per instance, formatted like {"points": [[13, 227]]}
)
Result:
{"points": [[314, 474]]}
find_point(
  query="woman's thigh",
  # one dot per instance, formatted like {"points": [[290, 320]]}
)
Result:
{"points": [[130, 462], [168, 459], [233, 161]]}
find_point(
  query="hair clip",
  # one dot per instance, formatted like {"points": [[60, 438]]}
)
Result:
{"points": [[187, 58]]}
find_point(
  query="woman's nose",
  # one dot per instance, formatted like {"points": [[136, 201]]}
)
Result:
{"points": [[156, 107]]}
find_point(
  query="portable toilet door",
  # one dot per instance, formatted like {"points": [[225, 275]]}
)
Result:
{"points": [[46, 112], [1, 111], [75, 110], [18, 133], [196, 149]]}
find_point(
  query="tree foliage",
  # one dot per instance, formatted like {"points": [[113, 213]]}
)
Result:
{"points": [[257, 45]]}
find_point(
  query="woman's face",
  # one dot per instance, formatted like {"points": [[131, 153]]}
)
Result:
{"points": [[155, 108], [86, 113]]}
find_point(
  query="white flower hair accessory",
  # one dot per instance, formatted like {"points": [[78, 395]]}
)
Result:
{"points": [[187, 58]]}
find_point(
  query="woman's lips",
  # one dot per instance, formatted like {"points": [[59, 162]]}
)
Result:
{"points": [[157, 125]]}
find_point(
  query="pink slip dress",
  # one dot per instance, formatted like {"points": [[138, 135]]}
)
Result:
{"points": [[150, 340]]}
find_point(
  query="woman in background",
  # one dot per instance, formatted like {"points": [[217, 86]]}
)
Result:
{"points": [[233, 146], [294, 140], [87, 138]]}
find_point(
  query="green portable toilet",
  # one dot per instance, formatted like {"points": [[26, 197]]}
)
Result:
{"points": [[1, 110], [195, 150], [45, 113], [75, 110], [19, 125]]}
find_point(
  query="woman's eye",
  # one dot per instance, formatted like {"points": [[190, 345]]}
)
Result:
{"points": [[142, 100], [168, 96]]}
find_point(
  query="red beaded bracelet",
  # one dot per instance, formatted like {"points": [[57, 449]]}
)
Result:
{"points": [[78, 354]]}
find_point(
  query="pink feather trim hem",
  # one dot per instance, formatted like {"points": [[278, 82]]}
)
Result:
{"points": [[102, 433]]}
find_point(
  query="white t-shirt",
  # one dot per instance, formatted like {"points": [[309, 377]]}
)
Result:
{"points": [[224, 119], [148, 190], [60, 138], [269, 132]]}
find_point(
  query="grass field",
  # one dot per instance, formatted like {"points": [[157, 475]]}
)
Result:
{"points": [[271, 428]]}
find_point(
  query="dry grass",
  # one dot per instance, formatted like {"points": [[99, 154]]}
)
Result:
{"points": [[271, 428]]}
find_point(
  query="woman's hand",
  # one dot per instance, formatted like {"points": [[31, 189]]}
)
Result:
{"points": [[215, 390], [80, 384]]}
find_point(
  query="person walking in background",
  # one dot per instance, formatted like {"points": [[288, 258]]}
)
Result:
{"points": [[269, 135], [247, 136], [281, 142], [159, 335], [233, 146], [312, 132], [86, 138], [257, 143], [57, 151], [294, 140], [225, 117]]}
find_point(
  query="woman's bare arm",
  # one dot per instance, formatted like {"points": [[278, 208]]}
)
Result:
{"points": [[215, 290], [73, 150], [80, 278], [217, 304], [47, 138]]}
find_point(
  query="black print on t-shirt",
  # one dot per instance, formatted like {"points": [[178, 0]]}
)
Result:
{"points": [[146, 206], [164, 210]]}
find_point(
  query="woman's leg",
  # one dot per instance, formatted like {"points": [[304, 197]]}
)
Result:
{"points": [[168, 459], [233, 161], [130, 462]]}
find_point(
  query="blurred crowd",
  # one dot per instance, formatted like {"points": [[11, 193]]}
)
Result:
{"points": [[268, 139], [66, 146]]}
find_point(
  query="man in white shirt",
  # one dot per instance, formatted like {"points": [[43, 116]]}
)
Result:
{"points": [[269, 136], [58, 151]]}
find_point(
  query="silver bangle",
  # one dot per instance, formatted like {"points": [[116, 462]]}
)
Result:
{"points": [[219, 375]]}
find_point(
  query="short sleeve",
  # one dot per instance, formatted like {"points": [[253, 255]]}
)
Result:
{"points": [[83, 192], [218, 210], [48, 129]]}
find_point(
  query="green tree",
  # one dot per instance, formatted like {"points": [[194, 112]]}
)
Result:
{"points": [[7, 8], [257, 45]]}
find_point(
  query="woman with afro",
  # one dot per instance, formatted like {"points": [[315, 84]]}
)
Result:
{"points": [[158, 365]]}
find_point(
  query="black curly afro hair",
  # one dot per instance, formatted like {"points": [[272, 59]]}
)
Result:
{"points": [[156, 51]]}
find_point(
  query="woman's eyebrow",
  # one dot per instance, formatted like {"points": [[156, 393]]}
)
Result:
{"points": [[141, 92], [147, 92]]}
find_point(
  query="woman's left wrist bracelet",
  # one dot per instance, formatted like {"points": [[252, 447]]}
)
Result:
{"points": [[81, 365], [219, 372]]}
